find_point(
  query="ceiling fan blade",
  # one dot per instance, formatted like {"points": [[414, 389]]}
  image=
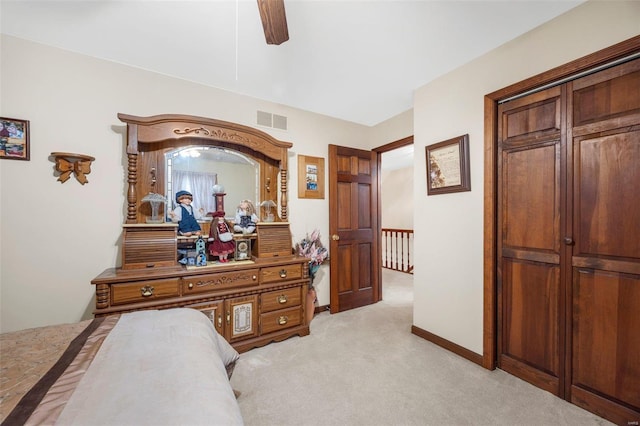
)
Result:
{"points": [[274, 21]]}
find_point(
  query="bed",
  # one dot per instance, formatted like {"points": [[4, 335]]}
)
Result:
{"points": [[146, 367]]}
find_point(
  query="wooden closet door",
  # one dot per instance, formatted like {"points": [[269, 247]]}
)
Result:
{"points": [[569, 241], [605, 146], [531, 190]]}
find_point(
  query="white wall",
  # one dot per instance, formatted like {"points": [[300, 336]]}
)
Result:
{"points": [[397, 198], [392, 129], [449, 228], [55, 238]]}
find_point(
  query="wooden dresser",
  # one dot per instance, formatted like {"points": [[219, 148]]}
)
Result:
{"points": [[250, 302]]}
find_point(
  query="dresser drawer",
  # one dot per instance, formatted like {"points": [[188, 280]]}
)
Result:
{"points": [[144, 290], [280, 320], [274, 300], [210, 282], [281, 273]]}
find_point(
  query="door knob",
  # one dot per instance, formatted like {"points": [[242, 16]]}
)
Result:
{"points": [[335, 237], [568, 241]]}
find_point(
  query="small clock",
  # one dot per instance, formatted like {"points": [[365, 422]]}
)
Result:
{"points": [[243, 249]]}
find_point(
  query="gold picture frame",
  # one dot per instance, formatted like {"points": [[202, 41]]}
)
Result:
{"points": [[448, 167], [310, 177]]}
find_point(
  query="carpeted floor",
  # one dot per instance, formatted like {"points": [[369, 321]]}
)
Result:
{"points": [[364, 367]]}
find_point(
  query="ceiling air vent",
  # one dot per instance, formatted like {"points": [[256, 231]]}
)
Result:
{"points": [[272, 120]]}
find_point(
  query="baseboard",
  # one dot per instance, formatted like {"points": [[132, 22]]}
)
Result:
{"points": [[322, 308], [450, 346]]}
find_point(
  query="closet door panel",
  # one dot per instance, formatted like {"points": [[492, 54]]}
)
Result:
{"points": [[531, 318], [605, 260], [606, 177], [606, 341], [607, 95], [531, 200], [530, 188]]}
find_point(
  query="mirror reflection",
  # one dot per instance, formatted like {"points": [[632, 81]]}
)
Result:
{"points": [[197, 169]]}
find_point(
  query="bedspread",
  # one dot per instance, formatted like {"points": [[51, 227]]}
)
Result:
{"points": [[26, 355], [147, 367]]}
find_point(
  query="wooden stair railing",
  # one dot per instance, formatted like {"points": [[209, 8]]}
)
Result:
{"points": [[397, 248]]}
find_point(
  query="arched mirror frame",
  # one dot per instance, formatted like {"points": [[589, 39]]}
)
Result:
{"points": [[148, 138]]}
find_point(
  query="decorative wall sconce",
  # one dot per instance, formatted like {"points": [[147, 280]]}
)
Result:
{"points": [[78, 164]]}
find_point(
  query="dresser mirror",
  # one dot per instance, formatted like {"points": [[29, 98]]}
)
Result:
{"points": [[198, 168], [247, 162]]}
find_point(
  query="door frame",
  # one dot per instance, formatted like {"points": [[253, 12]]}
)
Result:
{"points": [[379, 151], [599, 58]]}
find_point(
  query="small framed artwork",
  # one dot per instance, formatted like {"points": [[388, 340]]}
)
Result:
{"points": [[310, 177], [14, 139], [448, 166]]}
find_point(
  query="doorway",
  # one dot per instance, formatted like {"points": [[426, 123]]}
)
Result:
{"points": [[396, 219]]}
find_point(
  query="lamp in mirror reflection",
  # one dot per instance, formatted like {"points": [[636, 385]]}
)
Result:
{"points": [[156, 200], [268, 206]]}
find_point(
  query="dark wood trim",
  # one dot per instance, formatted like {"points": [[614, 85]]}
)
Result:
{"points": [[612, 53], [450, 346], [489, 323], [320, 309], [394, 145], [601, 57]]}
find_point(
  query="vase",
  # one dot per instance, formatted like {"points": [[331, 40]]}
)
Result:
{"points": [[311, 304], [313, 269]]}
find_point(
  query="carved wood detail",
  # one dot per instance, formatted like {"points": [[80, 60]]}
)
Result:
{"points": [[102, 296], [151, 135], [132, 178]]}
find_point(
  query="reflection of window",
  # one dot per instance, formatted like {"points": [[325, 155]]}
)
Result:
{"points": [[237, 172], [197, 183]]}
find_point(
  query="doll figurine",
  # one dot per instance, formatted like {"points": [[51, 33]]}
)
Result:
{"points": [[185, 215], [246, 218], [221, 239]]}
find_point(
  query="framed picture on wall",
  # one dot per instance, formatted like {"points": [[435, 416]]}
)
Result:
{"points": [[448, 166], [310, 177], [14, 139]]}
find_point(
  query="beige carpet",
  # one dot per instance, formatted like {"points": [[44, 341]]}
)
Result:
{"points": [[364, 367]]}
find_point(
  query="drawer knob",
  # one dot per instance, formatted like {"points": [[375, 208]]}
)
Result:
{"points": [[255, 277], [283, 273], [147, 291], [190, 285], [282, 320], [282, 299]]}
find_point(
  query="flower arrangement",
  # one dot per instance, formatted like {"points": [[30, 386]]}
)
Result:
{"points": [[311, 247]]}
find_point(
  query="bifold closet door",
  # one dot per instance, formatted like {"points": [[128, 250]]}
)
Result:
{"points": [[531, 193], [605, 165], [569, 241]]}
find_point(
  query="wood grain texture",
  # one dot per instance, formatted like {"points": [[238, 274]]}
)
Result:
{"points": [[274, 21]]}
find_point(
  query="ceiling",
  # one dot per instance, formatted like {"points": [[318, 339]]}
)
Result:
{"points": [[355, 60]]}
